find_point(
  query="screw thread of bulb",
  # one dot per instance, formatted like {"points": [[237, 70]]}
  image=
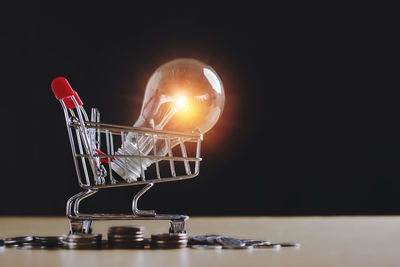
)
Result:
{"points": [[131, 168]]}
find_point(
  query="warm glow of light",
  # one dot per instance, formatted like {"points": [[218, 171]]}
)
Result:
{"points": [[181, 102]]}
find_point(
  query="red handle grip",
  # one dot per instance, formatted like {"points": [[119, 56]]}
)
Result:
{"points": [[70, 104], [63, 90]]}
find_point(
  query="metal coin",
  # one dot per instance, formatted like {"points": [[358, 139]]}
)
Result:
{"points": [[81, 237], [200, 239], [30, 245], [125, 241], [206, 247], [169, 236], [169, 242], [94, 243], [212, 240], [125, 237], [125, 229], [256, 242], [10, 241], [267, 245], [166, 246], [81, 241], [110, 236], [229, 241], [49, 241], [119, 236], [288, 244], [248, 241], [82, 245], [237, 247]]}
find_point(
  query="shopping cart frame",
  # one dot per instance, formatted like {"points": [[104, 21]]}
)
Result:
{"points": [[86, 136]]}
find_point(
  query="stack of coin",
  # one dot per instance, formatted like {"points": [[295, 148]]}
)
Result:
{"points": [[16, 241], [49, 241], [226, 242], [129, 237], [200, 239], [81, 241], [204, 242], [168, 240], [34, 242], [122, 237]]}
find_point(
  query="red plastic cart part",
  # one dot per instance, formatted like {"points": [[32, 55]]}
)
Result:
{"points": [[70, 104], [103, 160], [63, 90]]}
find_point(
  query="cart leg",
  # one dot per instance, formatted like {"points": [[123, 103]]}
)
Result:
{"points": [[135, 210], [177, 226], [81, 226]]}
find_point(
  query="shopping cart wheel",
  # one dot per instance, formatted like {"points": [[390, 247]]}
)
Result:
{"points": [[177, 226], [81, 226]]}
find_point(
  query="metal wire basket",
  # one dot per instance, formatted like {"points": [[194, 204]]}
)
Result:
{"points": [[94, 147]]}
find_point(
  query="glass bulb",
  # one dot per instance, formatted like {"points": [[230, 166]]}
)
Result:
{"points": [[183, 95]]}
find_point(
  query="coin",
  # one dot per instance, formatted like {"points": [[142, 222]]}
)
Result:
{"points": [[229, 241], [169, 236], [288, 244], [49, 241], [200, 239], [81, 237], [168, 240], [267, 245], [125, 229], [81, 241], [206, 247], [30, 245], [212, 240], [255, 242], [124, 237], [224, 242], [237, 247], [11, 241]]}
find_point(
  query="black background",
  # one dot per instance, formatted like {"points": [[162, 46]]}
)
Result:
{"points": [[310, 121]]}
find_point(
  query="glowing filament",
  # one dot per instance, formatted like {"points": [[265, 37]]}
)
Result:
{"points": [[181, 103]]}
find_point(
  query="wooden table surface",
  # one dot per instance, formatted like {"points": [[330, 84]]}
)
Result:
{"points": [[325, 241]]}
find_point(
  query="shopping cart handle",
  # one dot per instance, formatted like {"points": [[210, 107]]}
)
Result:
{"points": [[62, 90], [70, 104]]}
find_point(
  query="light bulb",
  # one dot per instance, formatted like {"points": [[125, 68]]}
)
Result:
{"points": [[183, 95]]}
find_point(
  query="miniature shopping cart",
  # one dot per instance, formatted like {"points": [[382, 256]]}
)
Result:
{"points": [[94, 147]]}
